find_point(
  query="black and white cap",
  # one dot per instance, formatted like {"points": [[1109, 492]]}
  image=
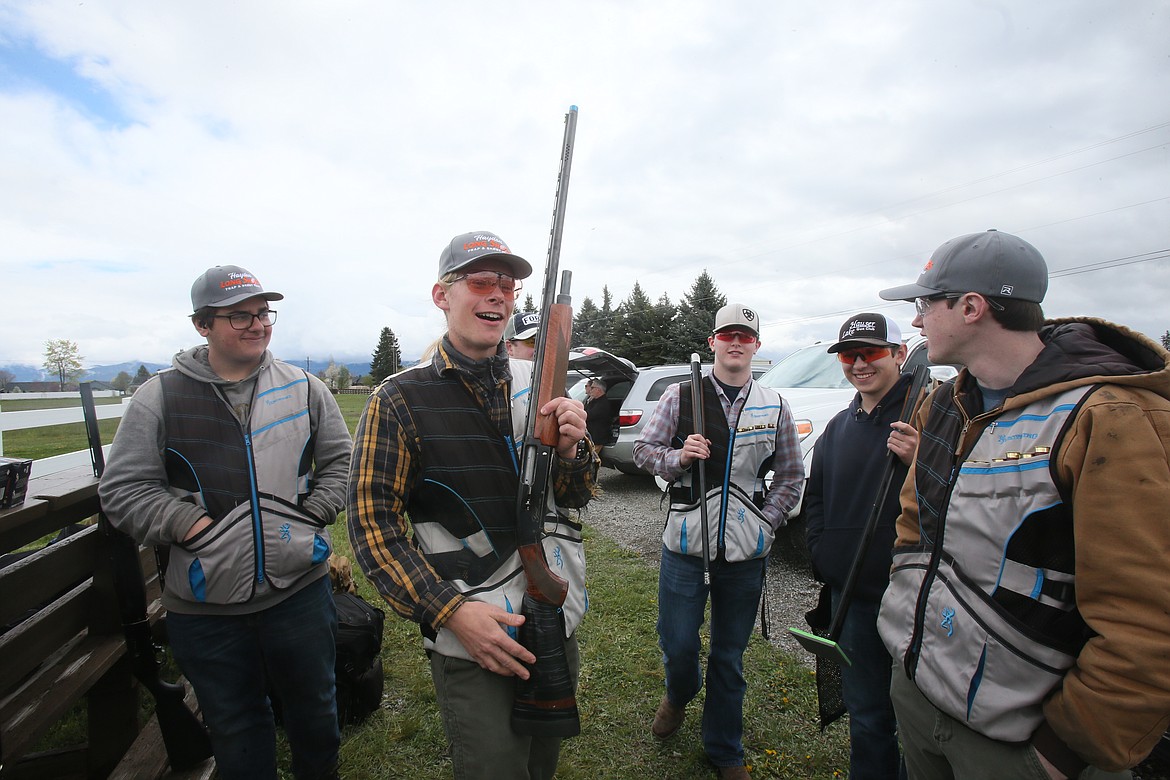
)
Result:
{"points": [[868, 329]]}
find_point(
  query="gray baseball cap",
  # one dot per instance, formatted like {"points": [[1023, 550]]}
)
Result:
{"points": [[736, 315], [465, 249], [226, 285], [998, 265]]}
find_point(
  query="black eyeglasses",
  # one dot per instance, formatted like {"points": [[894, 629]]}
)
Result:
{"points": [[242, 320]]}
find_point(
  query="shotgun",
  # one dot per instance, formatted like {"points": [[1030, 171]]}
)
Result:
{"points": [[184, 736], [700, 465], [545, 704]]}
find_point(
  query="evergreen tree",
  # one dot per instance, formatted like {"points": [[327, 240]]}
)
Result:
{"points": [[661, 333], [606, 322], [634, 326], [387, 357], [528, 304], [1166, 339], [141, 376], [696, 316], [587, 331]]}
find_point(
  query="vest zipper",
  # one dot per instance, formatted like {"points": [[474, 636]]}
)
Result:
{"points": [[257, 526], [721, 542]]}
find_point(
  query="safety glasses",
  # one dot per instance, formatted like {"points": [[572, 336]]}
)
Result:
{"points": [[868, 354], [735, 335], [483, 282]]}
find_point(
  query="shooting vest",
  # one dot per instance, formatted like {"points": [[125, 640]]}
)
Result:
{"points": [[250, 481], [984, 619], [741, 454], [463, 505]]}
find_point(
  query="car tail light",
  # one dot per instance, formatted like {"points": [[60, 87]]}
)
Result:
{"points": [[803, 428], [629, 417]]}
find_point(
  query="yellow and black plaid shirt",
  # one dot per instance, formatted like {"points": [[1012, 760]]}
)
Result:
{"points": [[385, 470]]}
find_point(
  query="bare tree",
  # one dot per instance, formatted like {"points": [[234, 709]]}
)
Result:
{"points": [[6, 378], [63, 358]]}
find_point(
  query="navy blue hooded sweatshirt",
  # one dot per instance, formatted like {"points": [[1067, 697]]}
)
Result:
{"points": [[847, 466]]}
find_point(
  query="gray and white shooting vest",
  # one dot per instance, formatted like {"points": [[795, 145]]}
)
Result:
{"points": [[982, 614]]}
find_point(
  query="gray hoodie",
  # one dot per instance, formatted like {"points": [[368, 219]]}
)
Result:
{"points": [[135, 492]]}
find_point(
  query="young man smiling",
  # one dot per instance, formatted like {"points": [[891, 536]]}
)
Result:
{"points": [[439, 443], [1027, 612], [847, 468], [239, 461], [747, 430]]}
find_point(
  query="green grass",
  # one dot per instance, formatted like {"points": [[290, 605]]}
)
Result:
{"points": [[620, 685]]}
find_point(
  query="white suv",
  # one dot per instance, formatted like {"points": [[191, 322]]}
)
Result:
{"points": [[811, 382]]}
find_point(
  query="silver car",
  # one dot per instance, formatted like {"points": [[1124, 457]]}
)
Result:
{"points": [[633, 391]]}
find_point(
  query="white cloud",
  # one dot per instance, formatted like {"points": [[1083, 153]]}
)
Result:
{"points": [[806, 155]]}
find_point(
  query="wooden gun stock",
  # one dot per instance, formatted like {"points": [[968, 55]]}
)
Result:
{"points": [[555, 367]]}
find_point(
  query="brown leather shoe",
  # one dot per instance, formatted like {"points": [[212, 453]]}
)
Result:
{"points": [[667, 719], [733, 773]]}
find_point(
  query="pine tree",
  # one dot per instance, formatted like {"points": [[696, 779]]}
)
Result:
{"points": [[606, 322], [142, 375], [696, 316], [587, 325], [387, 358], [660, 334], [634, 327], [1166, 339]]}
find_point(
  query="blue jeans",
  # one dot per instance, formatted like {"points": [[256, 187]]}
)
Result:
{"points": [[873, 727], [682, 597], [231, 660]]}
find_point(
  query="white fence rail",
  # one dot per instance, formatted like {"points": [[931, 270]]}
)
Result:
{"points": [[40, 418]]}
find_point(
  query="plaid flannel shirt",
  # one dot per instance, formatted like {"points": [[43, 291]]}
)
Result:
{"points": [[384, 471]]}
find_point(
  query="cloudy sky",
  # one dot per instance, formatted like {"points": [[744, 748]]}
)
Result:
{"points": [[805, 154]]}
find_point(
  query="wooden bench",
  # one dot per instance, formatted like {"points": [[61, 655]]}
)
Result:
{"points": [[64, 643]]}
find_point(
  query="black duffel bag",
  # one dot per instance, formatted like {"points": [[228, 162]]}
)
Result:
{"points": [[359, 663]]}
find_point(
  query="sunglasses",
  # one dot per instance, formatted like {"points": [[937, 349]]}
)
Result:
{"points": [[483, 282], [733, 335], [868, 354]]}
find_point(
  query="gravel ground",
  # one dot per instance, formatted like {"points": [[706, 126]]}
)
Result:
{"points": [[628, 511]]}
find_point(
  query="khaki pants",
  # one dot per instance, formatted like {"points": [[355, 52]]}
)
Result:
{"points": [[938, 747], [476, 707]]}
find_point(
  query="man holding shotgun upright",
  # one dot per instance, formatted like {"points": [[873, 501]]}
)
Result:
{"points": [[439, 443], [748, 431]]}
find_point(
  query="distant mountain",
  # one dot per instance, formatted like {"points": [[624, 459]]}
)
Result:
{"points": [[317, 365], [23, 372], [107, 373]]}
